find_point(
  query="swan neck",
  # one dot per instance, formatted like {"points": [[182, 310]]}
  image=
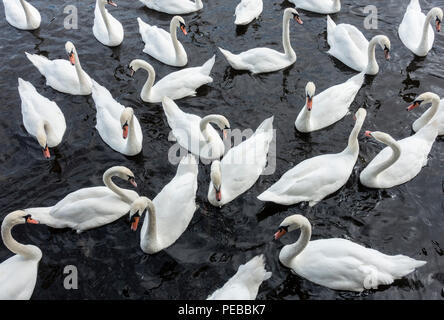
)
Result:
{"points": [[372, 64], [425, 32], [107, 180], [13, 245], [296, 248], [150, 81], [173, 33], [105, 17], [132, 133], [306, 117], [286, 37], [394, 145], [151, 233], [433, 110], [203, 125], [79, 71], [353, 144]]}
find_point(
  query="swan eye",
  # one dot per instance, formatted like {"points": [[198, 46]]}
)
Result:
{"points": [[418, 102], [27, 217], [283, 228]]}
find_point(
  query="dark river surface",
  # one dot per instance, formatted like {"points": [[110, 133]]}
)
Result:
{"points": [[407, 219]]}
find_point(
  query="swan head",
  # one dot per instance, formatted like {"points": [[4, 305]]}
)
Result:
{"points": [[18, 217], [110, 2], [385, 45], [223, 124], [216, 179], [292, 13], [310, 89], [136, 64], [438, 14], [424, 98], [125, 119], [380, 136], [137, 209], [123, 173], [42, 140], [360, 115], [291, 223], [70, 49], [179, 22]]}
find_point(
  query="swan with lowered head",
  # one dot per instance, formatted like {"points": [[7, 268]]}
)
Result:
{"points": [[329, 106], [315, 178], [340, 264], [318, 6], [162, 45], [171, 211], [107, 29], [174, 6], [241, 166], [42, 117], [92, 207], [194, 133], [415, 30], [247, 11], [176, 85], [244, 285], [435, 112], [349, 45], [62, 75], [261, 60], [22, 15], [117, 125]]}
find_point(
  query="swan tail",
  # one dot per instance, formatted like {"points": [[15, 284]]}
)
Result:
{"points": [[24, 86], [42, 215], [414, 5], [38, 61], [231, 58], [358, 79], [170, 108], [266, 125], [208, 66], [98, 93], [188, 164], [252, 273], [402, 265], [331, 25]]}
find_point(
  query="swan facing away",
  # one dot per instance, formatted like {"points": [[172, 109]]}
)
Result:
{"points": [[18, 274], [171, 211], [349, 45], [194, 133], [93, 207], [107, 29], [241, 166], [162, 45], [415, 30], [244, 285], [22, 15], [315, 178], [176, 85], [435, 112], [247, 11], [329, 106], [261, 60], [174, 6], [340, 264], [42, 117], [318, 6], [117, 125], [62, 75]]}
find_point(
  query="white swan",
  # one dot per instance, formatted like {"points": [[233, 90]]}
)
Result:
{"points": [[194, 133], [171, 210], [93, 207], [241, 166], [435, 112], [401, 160], [260, 60], [175, 85], [329, 106], [107, 29], [174, 6], [247, 11], [117, 125], [315, 178], [318, 6], [349, 45], [18, 274], [162, 45], [415, 31], [340, 264], [62, 75], [42, 117], [244, 285], [22, 15]]}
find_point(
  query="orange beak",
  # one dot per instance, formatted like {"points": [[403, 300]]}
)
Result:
{"points": [[225, 134], [368, 133], [135, 223], [31, 221], [298, 20], [110, 2], [413, 106], [387, 54], [438, 25], [125, 131], [218, 195], [46, 153], [72, 58], [279, 234], [184, 30], [309, 103]]}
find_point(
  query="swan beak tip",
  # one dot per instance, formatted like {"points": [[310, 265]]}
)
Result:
{"points": [[31, 221], [184, 30], [135, 223], [46, 153], [279, 234], [368, 133], [133, 183], [112, 3], [125, 131], [218, 195]]}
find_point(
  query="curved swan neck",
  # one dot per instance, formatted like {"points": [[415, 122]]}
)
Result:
{"points": [[392, 143], [203, 125], [433, 109], [353, 144], [151, 232], [425, 32], [151, 77], [132, 133], [107, 180], [79, 71], [26, 251], [173, 33], [105, 17], [293, 250], [286, 36], [372, 64]]}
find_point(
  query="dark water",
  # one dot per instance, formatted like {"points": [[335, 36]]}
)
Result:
{"points": [[407, 219]]}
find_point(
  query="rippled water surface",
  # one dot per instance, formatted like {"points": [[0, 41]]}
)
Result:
{"points": [[407, 219]]}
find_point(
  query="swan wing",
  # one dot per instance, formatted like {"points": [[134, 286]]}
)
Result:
{"points": [[172, 6]]}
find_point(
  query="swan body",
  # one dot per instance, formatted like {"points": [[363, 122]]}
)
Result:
{"points": [[107, 29], [89, 208], [435, 112], [329, 106], [61, 74], [194, 133], [117, 125], [244, 285], [42, 118], [174, 6], [22, 15], [171, 211], [175, 85], [415, 31], [315, 178], [349, 45], [241, 166], [340, 264], [401, 160], [247, 11], [163, 45], [318, 6], [261, 60], [18, 274]]}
